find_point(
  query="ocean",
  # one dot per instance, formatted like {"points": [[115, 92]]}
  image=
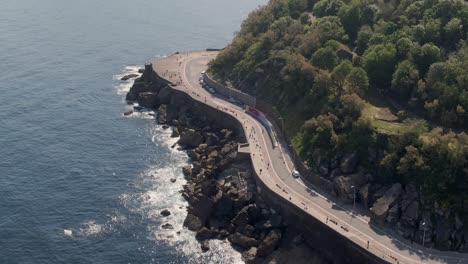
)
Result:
{"points": [[80, 182]]}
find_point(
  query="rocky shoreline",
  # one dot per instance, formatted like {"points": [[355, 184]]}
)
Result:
{"points": [[221, 191]]}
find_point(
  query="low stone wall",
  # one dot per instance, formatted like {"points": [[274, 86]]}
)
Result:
{"points": [[229, 92]]}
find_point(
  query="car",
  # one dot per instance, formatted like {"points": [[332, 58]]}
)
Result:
{"points": [[295, 174], [203, 72], [232, 100], [211, 90], [201, 82]]}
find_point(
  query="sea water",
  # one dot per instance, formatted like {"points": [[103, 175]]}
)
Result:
{"points": [[80, 182]]}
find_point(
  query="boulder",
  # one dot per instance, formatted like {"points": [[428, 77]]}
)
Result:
{"points": [[162, 114], [349, 163], [243, 241], [223, 207], [346, 187], [167, 226], [173, 180], [211, 139], [128, 113], [205, 233], [205, 246], [241, 219], [250, 255], [202, 207], [270, 243], [381, 207], [175, 132], [193, 222], [187, 170], [193, 155], [190, 138], [165, 212], [129, 76], [141, 70]]}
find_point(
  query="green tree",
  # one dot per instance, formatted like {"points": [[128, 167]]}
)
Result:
{"points": [[357, 81], [405, 79], [379, 62], [325, 58]]}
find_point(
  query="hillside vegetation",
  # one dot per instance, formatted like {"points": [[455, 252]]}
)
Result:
{"points": [[385, 80]]}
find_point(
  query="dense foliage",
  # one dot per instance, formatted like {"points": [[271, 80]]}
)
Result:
{"points": [[320, 63]]}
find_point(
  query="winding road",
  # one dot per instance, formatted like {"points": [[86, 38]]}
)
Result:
{"points": [[273, 166]]}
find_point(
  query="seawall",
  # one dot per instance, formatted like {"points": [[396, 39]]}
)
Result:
{"points": [[158, 93]]}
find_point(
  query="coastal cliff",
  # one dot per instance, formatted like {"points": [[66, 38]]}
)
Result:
{"points": [[221, 189]]}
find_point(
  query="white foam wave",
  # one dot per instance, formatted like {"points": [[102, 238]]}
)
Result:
{"points": [[123, 87], [91, 228]]}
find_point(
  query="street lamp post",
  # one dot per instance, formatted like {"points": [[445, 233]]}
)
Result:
{"points": [[424, 233]]}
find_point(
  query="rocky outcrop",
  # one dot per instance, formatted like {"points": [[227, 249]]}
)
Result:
{"points": [[190, 138], [381, 207], [270, 243], [129, 76]]}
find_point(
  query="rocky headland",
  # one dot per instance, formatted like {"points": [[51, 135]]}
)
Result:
{"points": [[224, 202]]}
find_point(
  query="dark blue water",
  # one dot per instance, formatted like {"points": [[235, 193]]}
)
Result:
{"points": [[79, 182]]}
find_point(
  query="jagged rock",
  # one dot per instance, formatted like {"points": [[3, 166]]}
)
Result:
{"points": [[173, 180], [193, 222], [243, 241], [128, 113], [162, 114], [349, 163], [129, 76], [442, 233], [270, 243], [205, 246], [364, 195], [205, 233], [226, 133], [380, 208], [148, 100], [193, 155], [167, 226], [187, 170], [250, 255], [223, 207], [165, 212], [175, 132], [347, 186], [190, 138], [241, 219], [164, 95], [211, 139], [141, 70], [202, 207], [393, 214]]}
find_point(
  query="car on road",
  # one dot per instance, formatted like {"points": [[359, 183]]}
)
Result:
{"points": [[232, 100], [295, 174], [211, 90]]}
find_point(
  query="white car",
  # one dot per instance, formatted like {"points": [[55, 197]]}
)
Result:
{"points": [[211, 90], [232, 100], [296, 174]]}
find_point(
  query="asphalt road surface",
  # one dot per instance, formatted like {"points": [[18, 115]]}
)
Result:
{"points": [[274, 167]]}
